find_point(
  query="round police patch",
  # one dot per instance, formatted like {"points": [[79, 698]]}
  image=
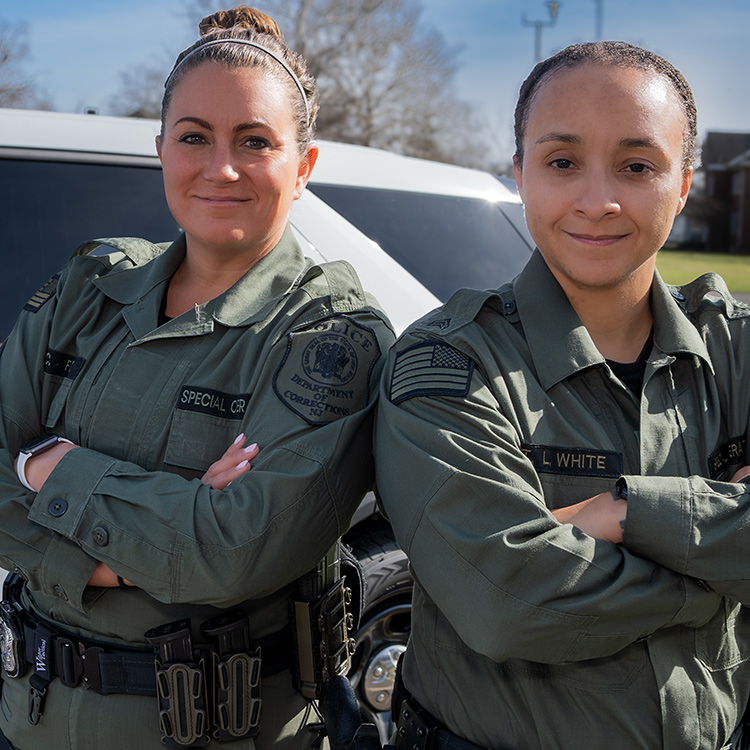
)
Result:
{"points": [[325, 373]]}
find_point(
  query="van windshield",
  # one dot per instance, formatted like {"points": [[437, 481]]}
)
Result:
{"points": [[446, 242]]}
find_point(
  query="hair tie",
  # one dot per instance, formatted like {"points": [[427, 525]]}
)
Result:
{"points": [[247, 43]]}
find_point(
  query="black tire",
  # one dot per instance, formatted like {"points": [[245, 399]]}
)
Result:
{"points": [[386, 620]]}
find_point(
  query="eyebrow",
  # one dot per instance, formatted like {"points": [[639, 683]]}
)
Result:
{"points": [[559, 137], [207, 125], [577, 140]]}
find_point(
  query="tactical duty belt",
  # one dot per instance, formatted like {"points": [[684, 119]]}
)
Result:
{"points": [[199, 688]]}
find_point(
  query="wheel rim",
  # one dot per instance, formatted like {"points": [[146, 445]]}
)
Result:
{"points": [[380, 641]]}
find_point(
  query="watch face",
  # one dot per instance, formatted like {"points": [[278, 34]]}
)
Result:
{"points": [[39, 444]]}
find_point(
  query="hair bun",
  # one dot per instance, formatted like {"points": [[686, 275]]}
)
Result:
{"points": [[241, 17]]}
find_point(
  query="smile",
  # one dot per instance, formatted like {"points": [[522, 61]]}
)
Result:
{"points": [[224, 200], [597, 240]]}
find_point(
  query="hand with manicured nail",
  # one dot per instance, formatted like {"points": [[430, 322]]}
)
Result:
{"points": [[234, 463]]}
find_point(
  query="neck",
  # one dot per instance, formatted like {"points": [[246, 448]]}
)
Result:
{"points": [[202, 277], [618, 320]]}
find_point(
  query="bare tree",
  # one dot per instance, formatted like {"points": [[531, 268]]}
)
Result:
{"points": [[385, 79], [16, 89], [141, 91]]}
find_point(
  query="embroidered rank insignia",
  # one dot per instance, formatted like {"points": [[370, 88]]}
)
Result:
{"points": [[325, 373], [430, 369], [43, 295], [581, 462]]}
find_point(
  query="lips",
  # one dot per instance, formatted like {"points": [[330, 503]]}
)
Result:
{"points": [[222, 199], [597, 240]]}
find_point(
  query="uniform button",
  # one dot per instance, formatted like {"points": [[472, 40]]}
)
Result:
{"points": [[57, 507], [101, 536], [509, 307], [60, 593], [679, 296]]}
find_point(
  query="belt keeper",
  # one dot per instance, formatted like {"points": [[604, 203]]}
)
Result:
{"points": [[92, 678]]}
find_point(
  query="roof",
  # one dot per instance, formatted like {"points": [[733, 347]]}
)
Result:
{"points": [[721, 148], [743, 160]]}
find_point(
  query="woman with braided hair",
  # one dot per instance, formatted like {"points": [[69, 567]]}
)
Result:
{"points": [[564, 458]]}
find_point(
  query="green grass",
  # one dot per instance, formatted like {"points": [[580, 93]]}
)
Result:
{"points": [[678, 267]]}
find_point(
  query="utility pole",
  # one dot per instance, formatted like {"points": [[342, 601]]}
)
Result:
{"points": [[599, 19], [552, 7]]}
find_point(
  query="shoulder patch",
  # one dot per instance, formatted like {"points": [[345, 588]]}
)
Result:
{"points": [[430, 368], [45, 294], [325, 373]]}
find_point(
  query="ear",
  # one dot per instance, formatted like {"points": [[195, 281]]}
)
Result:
{"points": [[157, 140], [306, 164], [687, 181], [518, 174]]}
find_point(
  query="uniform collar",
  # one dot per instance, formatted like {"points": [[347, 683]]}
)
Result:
{"points": [[559, 343], [247, 301], [674, 333]]}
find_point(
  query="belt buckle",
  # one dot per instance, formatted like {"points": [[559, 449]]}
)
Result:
{"points": [[70, 666]]}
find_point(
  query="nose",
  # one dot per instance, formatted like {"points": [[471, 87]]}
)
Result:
{"points": [[221, 166], [597, 196]]}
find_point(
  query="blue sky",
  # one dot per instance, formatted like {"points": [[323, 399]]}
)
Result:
{"points": [[79, 47]]}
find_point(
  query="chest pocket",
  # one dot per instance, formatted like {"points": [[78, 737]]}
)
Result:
{"points": [[204, 424]]}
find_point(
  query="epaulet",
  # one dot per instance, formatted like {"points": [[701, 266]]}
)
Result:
{"points": [[344, 287], [112, 250], [709, 290], [462, 308]]}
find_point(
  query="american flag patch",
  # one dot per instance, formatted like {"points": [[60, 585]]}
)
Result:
{"points": [[430, 369]]}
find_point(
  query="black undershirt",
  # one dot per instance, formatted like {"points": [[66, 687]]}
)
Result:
{"points": [[631, 373]]}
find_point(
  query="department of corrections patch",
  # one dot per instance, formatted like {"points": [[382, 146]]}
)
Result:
{"points": [[430, 368], [325, 373]]}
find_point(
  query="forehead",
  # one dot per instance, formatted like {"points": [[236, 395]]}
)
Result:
{"points": [[231, 93], [605, 99]]}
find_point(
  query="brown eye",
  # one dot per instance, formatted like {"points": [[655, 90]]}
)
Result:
{"points": [[192, 139], [256, 143], [562, 163]]}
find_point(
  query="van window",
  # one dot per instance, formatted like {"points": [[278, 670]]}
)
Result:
{"points": [[446, 242], [49, 208]]}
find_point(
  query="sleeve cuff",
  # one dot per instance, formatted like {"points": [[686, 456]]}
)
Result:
{"points": [[66, 570], [659, 522], [61, 503]]}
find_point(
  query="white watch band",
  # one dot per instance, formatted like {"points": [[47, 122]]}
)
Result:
{"points": [[23, 457]]}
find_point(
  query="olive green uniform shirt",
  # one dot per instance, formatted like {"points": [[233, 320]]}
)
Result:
{"points": [[290, 355], [527, 633]]}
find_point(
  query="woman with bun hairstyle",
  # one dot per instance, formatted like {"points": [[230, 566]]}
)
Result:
{"points": [[564, 458], [185, 433]]}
